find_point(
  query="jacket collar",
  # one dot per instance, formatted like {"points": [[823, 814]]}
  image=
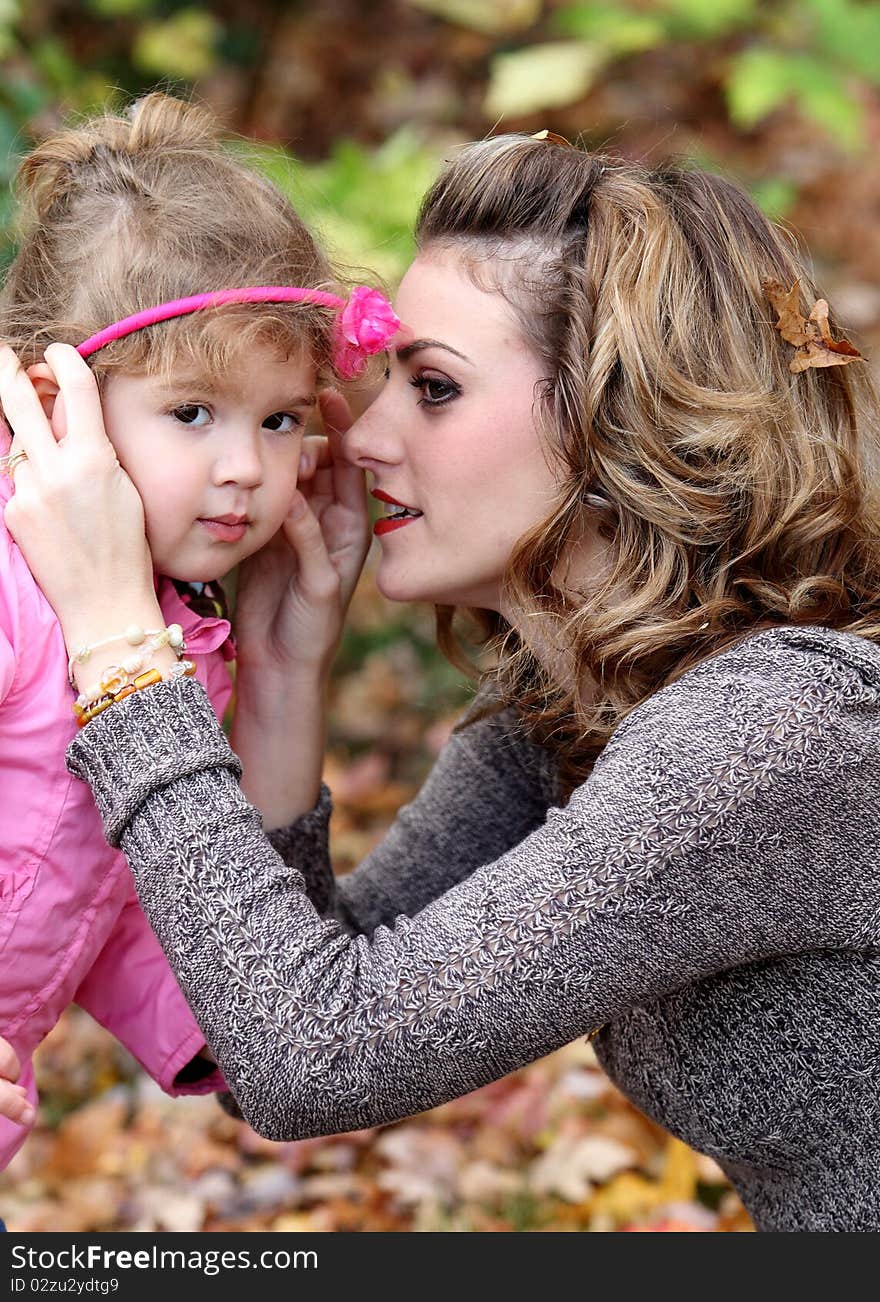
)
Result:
{"points": [[201, 634]]}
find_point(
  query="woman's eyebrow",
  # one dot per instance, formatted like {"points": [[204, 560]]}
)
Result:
{"points": [[404, 353]]}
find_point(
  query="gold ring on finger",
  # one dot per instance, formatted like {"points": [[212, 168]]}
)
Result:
{"points": [[9, 463]]}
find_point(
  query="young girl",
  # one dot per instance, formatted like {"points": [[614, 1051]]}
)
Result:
{"points": [[205, 409]]}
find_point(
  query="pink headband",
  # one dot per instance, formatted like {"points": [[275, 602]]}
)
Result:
{"points": [[364, 326]]}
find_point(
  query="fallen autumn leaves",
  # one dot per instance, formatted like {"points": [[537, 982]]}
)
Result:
{"points": [[553, 1147]]}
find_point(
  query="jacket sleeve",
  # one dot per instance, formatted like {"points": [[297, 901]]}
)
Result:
{"points": [[488, 789], [131, 991], [700, 842]]}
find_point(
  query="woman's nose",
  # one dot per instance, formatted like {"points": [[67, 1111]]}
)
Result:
{"points": [[370, 439]]}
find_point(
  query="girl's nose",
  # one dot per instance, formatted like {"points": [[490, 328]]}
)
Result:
{"points": [[240, 463]]}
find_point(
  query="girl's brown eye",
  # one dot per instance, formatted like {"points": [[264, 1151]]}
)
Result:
{"points": [[282, 422], [191, 413]]}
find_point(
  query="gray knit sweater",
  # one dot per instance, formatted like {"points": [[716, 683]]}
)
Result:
{"points": [[710, 897]]}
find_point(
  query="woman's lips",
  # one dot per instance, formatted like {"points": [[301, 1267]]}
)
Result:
{"points": [[388, 526], [224, 531], [388, 523]]}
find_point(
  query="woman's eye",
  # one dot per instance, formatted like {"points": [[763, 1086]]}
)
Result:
{"points": [[192, 413], [282, 422], [436, 390]]}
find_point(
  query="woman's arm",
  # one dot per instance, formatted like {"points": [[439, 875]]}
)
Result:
{"points": [[489, 788], [646, 882]]}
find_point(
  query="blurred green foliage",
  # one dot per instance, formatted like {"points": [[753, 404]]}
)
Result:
{"points": [[814, 53], [362, 202], [817, 58]]}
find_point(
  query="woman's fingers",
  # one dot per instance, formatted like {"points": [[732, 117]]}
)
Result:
{"points": [[316, 574], [314, 455], [349, 480], [79, 392], [78, 403], [23, 409], [337, 419], [335, 411]]}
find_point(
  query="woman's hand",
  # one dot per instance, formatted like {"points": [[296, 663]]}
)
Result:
{"points": [[291, 607], [13, 1099], [294, 594], [75, 514]]}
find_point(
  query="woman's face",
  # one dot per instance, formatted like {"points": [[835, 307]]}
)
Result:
{"points": [[453, 436]]}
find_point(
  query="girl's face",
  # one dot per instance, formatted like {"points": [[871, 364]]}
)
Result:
{"points": [[453, 436], [215, 467]]}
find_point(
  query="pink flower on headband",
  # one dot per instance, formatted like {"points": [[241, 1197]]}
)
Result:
{"points": [[365, 326]]}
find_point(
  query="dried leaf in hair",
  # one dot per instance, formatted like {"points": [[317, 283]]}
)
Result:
{"points": [[812, 338], [787, 304], [552, 136]]}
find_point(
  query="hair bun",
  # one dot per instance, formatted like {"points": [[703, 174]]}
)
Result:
{"points": [[56, 167], [160, 121]]}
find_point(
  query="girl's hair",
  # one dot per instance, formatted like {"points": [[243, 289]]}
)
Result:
{"points": [[733, 495], [123, 212]]}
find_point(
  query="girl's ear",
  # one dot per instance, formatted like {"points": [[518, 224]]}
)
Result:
{"points": [[43, 380]]}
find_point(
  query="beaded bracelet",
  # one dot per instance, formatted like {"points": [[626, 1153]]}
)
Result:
{"points": [[116, 676], [134, 635], [183, 668]]}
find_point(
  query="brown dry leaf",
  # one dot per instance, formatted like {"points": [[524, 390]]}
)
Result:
{"points": [[812, 338], [92, 1139], [787, 305]]}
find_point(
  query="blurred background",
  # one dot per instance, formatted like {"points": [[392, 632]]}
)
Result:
{"points": [[350, 106]]}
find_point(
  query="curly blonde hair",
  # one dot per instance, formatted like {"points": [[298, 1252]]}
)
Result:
{"points": [[733, 495]]}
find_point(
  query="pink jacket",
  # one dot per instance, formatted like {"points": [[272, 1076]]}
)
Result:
{"points": [[71, 928]]}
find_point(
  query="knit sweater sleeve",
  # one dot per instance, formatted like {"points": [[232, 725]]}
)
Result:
{"points": [[488, 789], [705, 838]]}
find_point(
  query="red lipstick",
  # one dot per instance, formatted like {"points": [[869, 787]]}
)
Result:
{"points": [[389, 523], [388, 526]]}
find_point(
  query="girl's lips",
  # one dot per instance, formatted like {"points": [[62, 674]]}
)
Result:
{"points": [[224, 532], [388, 526]]}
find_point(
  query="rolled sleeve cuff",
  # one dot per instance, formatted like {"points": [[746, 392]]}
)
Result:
{"points": [[148, 741]]}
